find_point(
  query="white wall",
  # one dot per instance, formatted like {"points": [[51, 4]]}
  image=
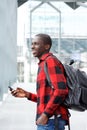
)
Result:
{"points": [[8, 37]]}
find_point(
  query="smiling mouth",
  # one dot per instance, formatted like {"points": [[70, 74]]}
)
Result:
{"points": [[33, 52]]}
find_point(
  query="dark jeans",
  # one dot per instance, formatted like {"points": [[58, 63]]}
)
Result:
{"points": [[51, 124]]}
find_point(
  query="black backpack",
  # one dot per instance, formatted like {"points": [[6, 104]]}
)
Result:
{"points": [[77, 84]]}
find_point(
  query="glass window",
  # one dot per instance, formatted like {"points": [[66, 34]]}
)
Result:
{"points": [[19, 51], [20, 71]]}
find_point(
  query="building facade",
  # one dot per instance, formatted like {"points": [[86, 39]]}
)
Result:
{"points": [[65, 26]]}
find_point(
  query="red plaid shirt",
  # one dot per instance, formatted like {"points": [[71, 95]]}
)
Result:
{"points": [[48, 99]]}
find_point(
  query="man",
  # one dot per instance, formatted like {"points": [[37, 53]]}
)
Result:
{"points": [[49, 98]]}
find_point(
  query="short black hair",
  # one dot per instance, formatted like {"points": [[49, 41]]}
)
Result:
{"points": [[46, 38]]}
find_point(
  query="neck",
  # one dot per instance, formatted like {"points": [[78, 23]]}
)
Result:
{"points": [[43, 54]]}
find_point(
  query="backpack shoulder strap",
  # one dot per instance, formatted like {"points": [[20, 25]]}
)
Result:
{"points": [[46, 72]]}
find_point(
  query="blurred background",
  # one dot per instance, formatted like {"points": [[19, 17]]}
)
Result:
{"points": [[65, 21]]}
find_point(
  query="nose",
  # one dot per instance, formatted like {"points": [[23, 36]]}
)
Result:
{"points": [[32, 46]]}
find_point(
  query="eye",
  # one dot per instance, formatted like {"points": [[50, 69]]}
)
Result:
{"points": [[35, 43]]}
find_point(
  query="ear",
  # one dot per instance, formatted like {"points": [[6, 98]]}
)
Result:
{"points": [[47, 46]]}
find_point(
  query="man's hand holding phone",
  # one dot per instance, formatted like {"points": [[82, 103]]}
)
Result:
{"points": [[19, 92]]}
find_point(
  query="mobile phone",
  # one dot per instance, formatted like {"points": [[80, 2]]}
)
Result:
{"points": [[10, 88]]}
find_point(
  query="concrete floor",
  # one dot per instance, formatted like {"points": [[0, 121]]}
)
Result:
{"points": [[19, 113]]}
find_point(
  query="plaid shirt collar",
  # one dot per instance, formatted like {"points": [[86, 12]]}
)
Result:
{"points": [[44, 56]]}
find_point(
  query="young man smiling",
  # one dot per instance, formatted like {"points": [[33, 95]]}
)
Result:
{"points": [[49, 98]]}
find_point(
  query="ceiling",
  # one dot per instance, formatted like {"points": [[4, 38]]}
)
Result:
{"points": [[20, 2], [72, 3]]}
